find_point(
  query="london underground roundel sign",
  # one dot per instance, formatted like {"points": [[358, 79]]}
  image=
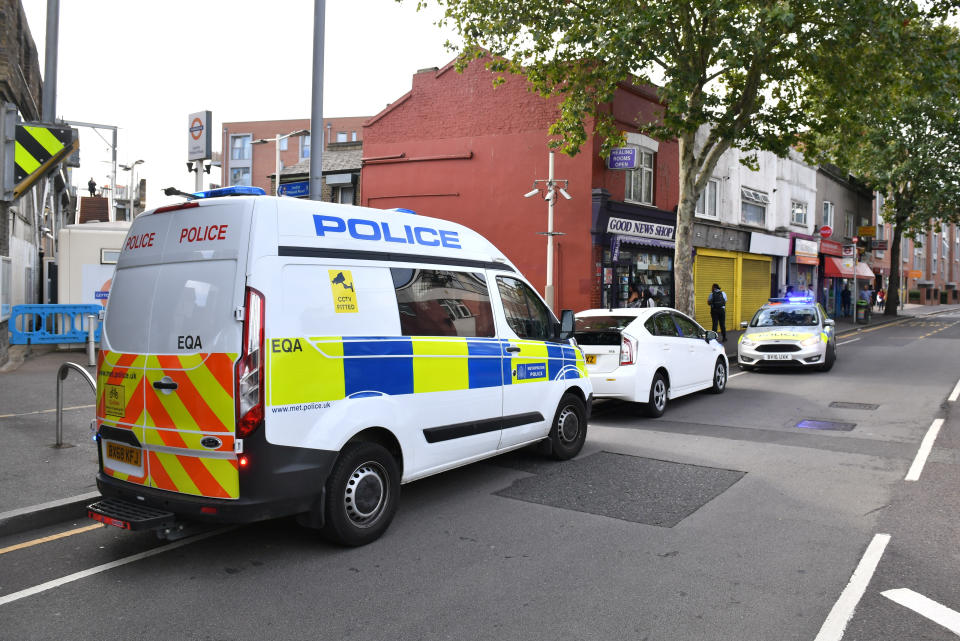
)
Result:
{"points": [[826, 231]]}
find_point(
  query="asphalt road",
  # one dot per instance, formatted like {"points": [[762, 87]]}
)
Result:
{"points": [[720, 521]]}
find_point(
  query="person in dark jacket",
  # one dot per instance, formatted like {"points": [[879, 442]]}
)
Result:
{"points": [[92, 186], [718, 310]]}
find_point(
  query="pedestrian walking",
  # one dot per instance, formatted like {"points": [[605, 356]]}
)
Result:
{"points": [[881, 295], [647, 299], [635, 299], [845, 300], [92, 186], [718, 310]]}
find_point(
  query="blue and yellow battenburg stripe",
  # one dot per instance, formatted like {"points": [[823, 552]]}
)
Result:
{"points": [[330, 368]]}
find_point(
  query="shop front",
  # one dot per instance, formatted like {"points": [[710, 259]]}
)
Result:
{"points": [[804, 262], [840, 276]]}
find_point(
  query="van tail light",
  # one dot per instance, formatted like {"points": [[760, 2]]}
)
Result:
{"points": [[249, 369], [626, 351]]}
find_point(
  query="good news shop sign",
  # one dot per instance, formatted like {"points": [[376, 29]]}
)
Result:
{"points": [[638, 228]]}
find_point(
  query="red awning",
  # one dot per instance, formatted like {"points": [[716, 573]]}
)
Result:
{"points": [[833, 268]]}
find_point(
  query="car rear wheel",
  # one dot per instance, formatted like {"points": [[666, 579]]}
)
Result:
{"points": [[719, 377], [569, 429], [657, 401], [362, 493]]}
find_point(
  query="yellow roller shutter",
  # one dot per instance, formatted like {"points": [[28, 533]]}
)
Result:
{"points": [[754, 287], [707, 271]]}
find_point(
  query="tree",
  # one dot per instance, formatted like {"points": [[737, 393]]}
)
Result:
{"points": [[895, 123], [735, 65]]}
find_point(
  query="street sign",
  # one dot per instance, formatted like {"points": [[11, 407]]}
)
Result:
{"points": [[914, 273], [625, 158], [869, 230], [879, 245], [297, 189], [199, 139], [848, 250], [826, 231]]}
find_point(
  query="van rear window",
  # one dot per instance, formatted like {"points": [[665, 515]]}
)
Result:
{"points": [[435, 302]]}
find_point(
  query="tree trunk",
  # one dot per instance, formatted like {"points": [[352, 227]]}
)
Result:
{"points": [[891, 301], [683, 255]]}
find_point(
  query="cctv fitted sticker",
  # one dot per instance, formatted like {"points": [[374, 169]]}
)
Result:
{"points": [[344, 294]]}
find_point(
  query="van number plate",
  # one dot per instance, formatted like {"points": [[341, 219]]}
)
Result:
{"points": [[123, 453], [777, 357], [591, 359]]}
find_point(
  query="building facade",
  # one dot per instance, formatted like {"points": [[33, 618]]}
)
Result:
{"points": [[246, 163], [22, 237], [457, 148]]}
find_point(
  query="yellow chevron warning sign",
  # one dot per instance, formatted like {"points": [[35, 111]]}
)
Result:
{"points": [[38, 148]]}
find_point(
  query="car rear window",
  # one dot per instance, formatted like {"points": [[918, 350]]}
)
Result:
{"points": [[600, 330]]}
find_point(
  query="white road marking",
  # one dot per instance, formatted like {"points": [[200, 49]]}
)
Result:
{"points": [[939, 614], [839, 617], [737, 374], [955, 394], [76, 576], [925, 446], [75, 407], [852, 340]]}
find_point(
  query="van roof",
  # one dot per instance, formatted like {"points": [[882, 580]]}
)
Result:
{"points": [[306, 227]]}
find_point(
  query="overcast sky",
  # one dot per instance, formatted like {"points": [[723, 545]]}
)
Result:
{"points": [[144, 66]]}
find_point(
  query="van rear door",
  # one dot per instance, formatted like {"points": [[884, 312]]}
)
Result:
{"points": [[172, 337]]}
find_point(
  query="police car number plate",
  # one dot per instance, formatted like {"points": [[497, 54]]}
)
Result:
{"points": [[123, 453], [591, 359], [777, 357]]}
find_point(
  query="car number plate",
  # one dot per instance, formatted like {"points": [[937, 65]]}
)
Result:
{"points": [[123, 453], [777, 357], [591, 359]]}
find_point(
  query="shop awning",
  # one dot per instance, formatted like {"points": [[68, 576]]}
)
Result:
{"points": [[833, 268], [649, 242]]}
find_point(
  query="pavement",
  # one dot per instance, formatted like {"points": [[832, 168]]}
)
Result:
{"points": [[42, 484]]}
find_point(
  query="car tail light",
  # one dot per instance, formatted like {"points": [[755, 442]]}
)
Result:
{"points": [[249, 371], [626, 351]]}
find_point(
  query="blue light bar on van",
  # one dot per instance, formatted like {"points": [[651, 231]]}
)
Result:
{"points": [[236, 190], [793, 299]]}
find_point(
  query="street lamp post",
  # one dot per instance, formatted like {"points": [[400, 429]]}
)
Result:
{"points": [[276, 141], [550, 186], [132, 169]]}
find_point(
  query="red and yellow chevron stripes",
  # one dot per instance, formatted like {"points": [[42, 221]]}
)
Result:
{"points": [[170, 423]]}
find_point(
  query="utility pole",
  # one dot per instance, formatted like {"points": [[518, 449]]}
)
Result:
{"points": [[316, 111], [551, 187]]}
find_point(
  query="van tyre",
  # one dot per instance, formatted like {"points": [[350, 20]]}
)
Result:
{"points": [[657, 401], [569, 429], [362, 493], [719, 377]]}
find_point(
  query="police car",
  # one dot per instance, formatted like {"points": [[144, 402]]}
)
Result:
{"points": [[788, 331], [265, 356]]}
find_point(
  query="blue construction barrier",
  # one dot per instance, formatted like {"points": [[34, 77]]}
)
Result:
{"points": [[37, 324]]}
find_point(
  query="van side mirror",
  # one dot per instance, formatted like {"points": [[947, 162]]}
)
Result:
{"points": [[566, 324]]}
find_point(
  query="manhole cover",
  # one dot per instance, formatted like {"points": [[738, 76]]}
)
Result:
{"points": [[826, 425], [854, 406], [629, 488]]}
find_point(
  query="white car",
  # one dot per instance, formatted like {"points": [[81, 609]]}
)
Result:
{"points": [[649, 355]]}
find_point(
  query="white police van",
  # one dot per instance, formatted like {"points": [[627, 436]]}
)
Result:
{"points": [[269, 356]]}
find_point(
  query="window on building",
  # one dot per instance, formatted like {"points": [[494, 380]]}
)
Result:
{"points": [[828, 213], [344, 195], [753, 207], [526, 314], [240, 147], [240, 176], [283, 143], [849, 229], [640, 181], [707, 203], [353, 136], [442, 303], [341, 136], [798, 213], [304, 146]]}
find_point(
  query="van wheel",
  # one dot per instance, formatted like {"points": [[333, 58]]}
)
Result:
{"points": [[361, 494], [657, 401], [569, 429]]}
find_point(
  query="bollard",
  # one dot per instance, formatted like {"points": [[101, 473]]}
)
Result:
{"points": [[91, 345], [62, 374]]}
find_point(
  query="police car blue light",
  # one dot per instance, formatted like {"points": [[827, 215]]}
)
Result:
{"points": [[236, 190]]}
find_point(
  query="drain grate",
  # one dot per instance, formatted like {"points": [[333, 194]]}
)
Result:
{"points": [[826, 425], [854, 406]]}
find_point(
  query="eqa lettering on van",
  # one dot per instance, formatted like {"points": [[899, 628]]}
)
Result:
{"points": [[265, 356]]}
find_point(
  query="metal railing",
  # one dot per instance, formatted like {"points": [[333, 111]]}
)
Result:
{"points": [[61, 375]]}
